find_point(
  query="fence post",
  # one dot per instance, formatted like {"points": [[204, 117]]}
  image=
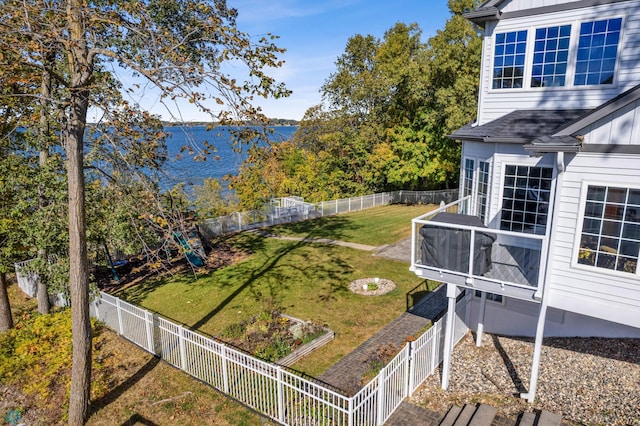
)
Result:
{"points": [[350, 412], [225, 370], [149, 326], [435, 345], [183, 349], [410, 367], [95, 308], [280, 395], [381, 396], [118, 311]]}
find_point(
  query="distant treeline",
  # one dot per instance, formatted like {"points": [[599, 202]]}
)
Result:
{"points": [[272, 122]]}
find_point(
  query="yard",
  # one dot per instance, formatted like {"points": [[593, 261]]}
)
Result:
{"points": [[302, 279]]}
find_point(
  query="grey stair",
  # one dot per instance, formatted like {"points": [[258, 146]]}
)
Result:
{"points": [[483, 416], [465, 416], [549, 419], [451, 416], [527, 419]]}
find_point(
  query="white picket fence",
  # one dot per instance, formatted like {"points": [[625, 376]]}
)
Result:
{"points": [[242, 221], [270, 389]]}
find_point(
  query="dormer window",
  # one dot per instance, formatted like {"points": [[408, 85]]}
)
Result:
{"points": [[597, 52], [554, 61]]}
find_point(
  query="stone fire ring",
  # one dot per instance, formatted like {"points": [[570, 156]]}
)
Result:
{"points": [[384, 286]]}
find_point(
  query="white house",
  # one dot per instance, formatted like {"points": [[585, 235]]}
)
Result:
{"points": [[546, 237]]}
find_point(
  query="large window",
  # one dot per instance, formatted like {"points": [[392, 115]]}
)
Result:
{"points": [[597, 52], [594, 54], [550, 54], [525, 198], [509, 58], [610, 236]]}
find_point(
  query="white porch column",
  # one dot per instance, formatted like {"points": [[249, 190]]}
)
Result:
{"points": [[448, 335], [537, 349], [480, 330]]}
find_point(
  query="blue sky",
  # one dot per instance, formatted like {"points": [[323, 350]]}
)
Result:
{"points": [[315, 33]]}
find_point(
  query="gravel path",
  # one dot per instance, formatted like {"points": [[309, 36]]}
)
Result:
{"points": [[586, 380]]}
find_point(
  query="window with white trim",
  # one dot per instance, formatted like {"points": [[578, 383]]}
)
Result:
{"points": [[610, 234], [509, 59], [597, 52], [550, 55], [483, 188], [525, 198], [594, 54]]}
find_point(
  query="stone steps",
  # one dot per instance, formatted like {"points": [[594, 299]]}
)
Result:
{"points": [[485, 415]]}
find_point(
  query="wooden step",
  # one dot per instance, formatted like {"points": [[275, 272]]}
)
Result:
{"points": [[483, 416], [549, 419], [527, 419], [465, 415], [452, 415]]}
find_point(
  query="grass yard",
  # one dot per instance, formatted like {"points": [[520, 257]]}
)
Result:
{"points": [[306, 280], [375, 227]]}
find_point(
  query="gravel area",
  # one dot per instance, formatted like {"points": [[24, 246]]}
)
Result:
{"points": [[586, 380], [374, 286]]}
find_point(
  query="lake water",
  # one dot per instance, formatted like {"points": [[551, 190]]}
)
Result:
{"points": [[190, 172]]}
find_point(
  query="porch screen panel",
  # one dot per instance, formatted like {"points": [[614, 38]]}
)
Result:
{"points": [[525, 198], [610, 236]]}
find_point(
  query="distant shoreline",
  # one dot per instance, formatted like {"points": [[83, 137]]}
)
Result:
{"points": [[275, 122]]}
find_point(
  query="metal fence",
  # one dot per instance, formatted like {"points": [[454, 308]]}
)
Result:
{"points": [[274, 215], [28, 282], [269, 388]]}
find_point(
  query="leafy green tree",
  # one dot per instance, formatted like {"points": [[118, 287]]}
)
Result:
{"points": [[453, 73], [212, 199], [178, 46]]}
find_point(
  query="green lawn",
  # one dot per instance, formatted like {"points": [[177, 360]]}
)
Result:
{"points": [[306, 280], [375, 227]]}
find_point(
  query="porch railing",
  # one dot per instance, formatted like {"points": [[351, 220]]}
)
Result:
{"points": [[516, 259]]}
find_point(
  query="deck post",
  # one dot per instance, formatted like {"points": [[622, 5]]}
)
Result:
{"points": [[480, 330], [448, 335], [537, 349]]}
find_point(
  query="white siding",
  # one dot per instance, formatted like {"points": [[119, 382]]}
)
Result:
{"points": [[496, 103], [519, 318], [516, 5], [621, 128], [596, 292]]}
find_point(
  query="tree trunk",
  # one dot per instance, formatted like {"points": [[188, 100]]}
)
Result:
{"points": [[78, 275], [43, 135], [81, 71], [6, 320]]}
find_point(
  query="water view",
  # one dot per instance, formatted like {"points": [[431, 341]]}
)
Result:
{"points": [[181, 166]]}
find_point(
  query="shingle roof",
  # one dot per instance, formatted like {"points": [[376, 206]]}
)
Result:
{"points": [[521, 126]]}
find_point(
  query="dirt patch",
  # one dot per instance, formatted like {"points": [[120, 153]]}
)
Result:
{"points": [[138, 269]]}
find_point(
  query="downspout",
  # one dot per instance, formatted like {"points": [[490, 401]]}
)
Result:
{"points": [[542, 315]]}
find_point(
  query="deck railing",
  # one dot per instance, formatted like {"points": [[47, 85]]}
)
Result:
{"points": [[516, 257]]}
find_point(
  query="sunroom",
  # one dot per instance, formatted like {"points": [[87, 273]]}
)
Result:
{"points": [[494, 239]]}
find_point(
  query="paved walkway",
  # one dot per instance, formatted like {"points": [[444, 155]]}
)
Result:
{"points": [[346, 373]]}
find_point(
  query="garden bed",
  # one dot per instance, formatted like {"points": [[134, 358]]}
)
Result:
{"points": [[277, 337]]}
